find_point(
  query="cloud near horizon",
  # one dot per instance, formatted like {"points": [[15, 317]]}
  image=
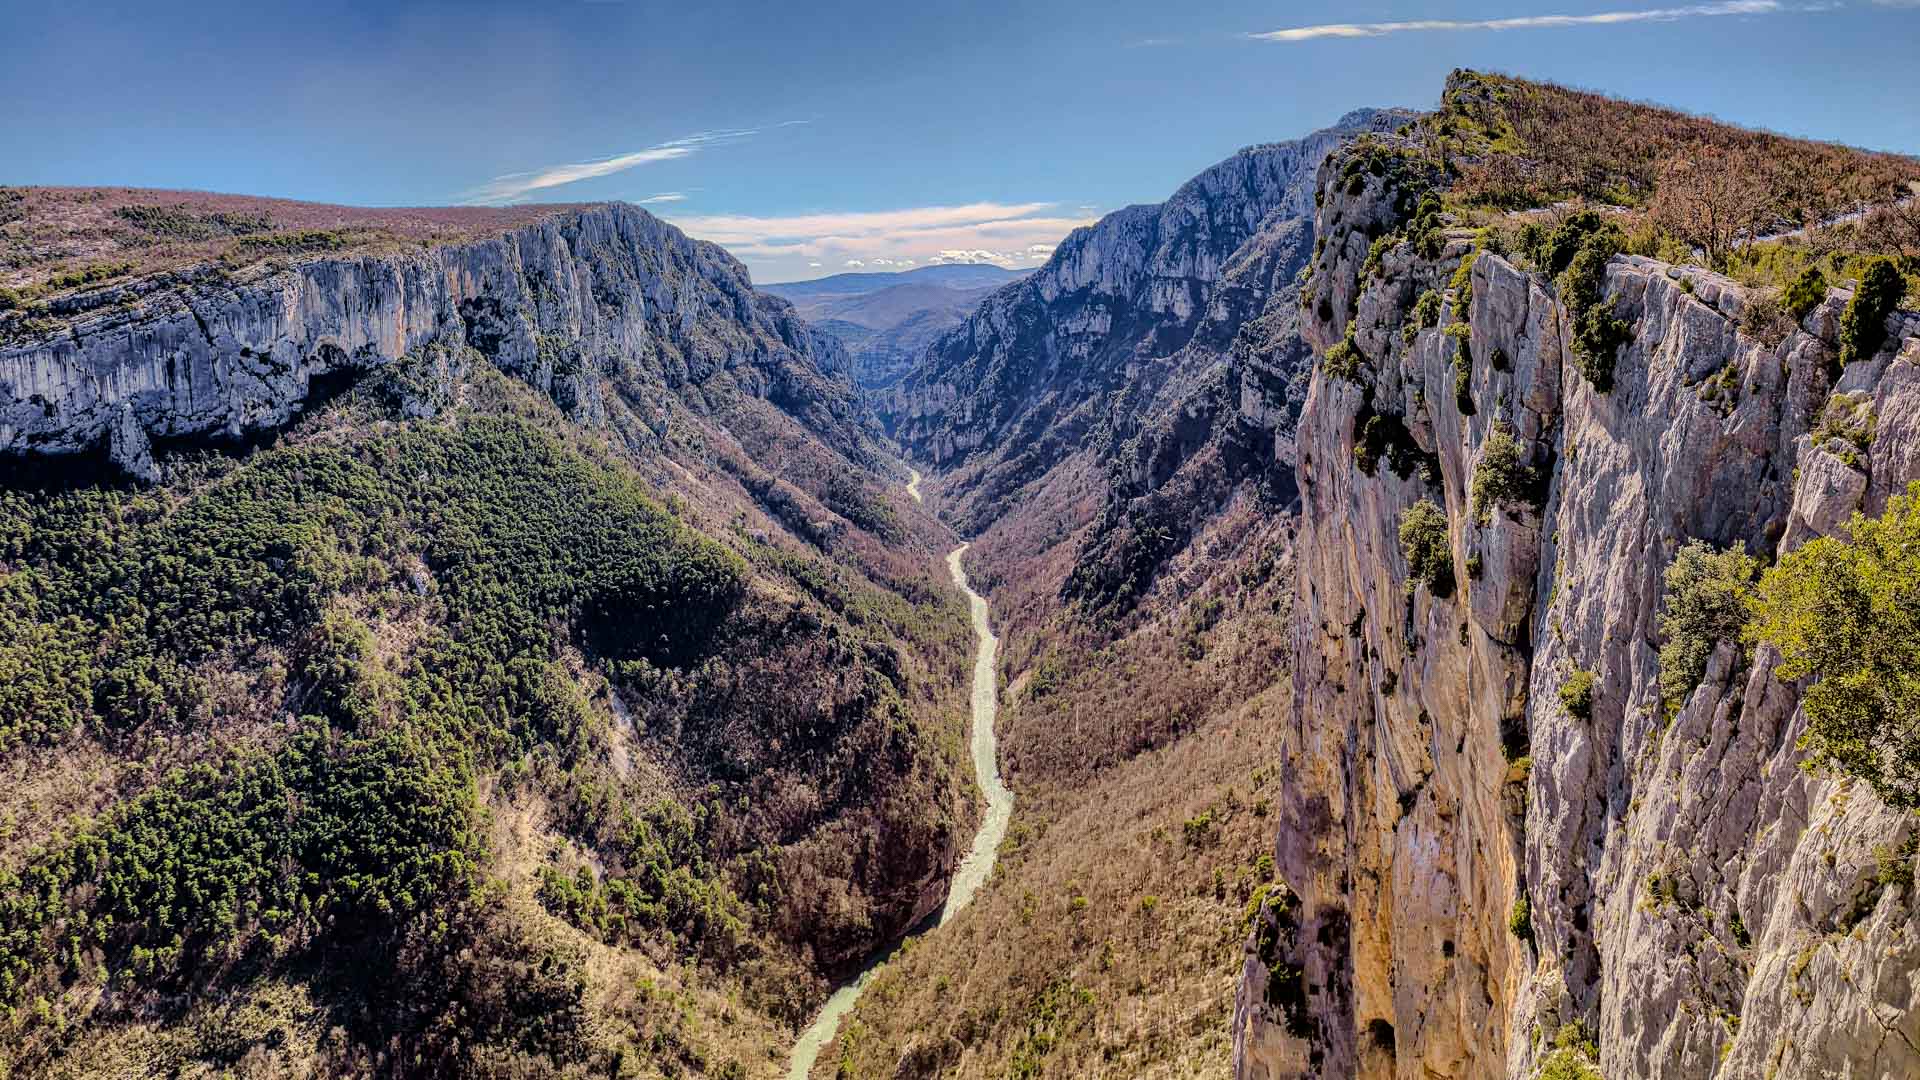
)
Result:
{"points": [[1008, 234], [1527, 22]]}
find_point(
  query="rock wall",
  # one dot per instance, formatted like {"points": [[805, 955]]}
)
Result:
{"points": [[1145, 299], [609, 296], [1699, 905]]}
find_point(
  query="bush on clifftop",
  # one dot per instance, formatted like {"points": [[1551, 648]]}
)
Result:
{"points": [[1863, 327]]}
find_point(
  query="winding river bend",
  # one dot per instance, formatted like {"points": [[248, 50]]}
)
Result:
{"points": [[978, 864]]}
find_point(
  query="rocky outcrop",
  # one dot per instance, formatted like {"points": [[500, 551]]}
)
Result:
{"points": [[615, 314], [1475, 873]]}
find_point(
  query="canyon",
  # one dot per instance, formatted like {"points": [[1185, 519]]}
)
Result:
{"points": [[1285, 614]]}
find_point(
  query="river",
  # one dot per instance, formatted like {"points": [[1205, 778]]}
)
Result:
{"points": [[977, 867]]}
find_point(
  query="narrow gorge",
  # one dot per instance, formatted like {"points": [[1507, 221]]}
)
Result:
{"points": [[1432, 598], [977, 866]]}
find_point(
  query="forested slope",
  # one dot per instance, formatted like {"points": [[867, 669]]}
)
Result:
{"points": [[586, 714]]}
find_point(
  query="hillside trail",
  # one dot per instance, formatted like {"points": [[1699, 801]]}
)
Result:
{"points": [[977, 866]]}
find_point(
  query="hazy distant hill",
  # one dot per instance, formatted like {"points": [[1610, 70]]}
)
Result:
{"points": [[886, 320], [950, 275]]}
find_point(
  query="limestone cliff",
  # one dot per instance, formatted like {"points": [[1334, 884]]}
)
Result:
{"points": [[1139, 315], [1472, 871], [616, 315]]}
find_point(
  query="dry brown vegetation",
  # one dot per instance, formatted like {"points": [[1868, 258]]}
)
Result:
{"points": [[1110, 940], [1519, 144], [47, 232], [1759, 207]]}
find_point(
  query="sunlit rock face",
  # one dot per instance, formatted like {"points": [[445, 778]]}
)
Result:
{"points": [[1696, 902], [586, 302]]}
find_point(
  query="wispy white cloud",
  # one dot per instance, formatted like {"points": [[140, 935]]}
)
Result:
{"points": [[1527, 22], [1013, 234], [506, 189], [515, 186], [664, 197]]}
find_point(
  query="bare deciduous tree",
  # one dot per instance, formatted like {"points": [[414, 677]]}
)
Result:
{"points": [[1897, 226], [1712, 203]]}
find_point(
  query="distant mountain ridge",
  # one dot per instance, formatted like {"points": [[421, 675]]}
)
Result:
{"points": [[885, 320], [950, 275]]}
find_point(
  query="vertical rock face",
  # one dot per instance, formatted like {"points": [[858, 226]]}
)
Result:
{"points": [[1130, 319], [1694, 901], [588, 300]]}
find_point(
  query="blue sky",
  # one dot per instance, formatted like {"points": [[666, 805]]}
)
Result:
{"points": [[814, 138]]}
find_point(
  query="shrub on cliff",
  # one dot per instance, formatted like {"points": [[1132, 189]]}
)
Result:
{"points": [[1575, 252], [1597, 332], [1344, 359], [1463, 382], [1573, 1055], [1848, 418], [1552, 250], [89, 275], [1765, 318], [1845, 613], [1424, 541], [1577, 694], [1520, 919], [1499, 479], [1377, 254], [1427, 229], [1424, 314], [1462, 336], [1377, 435], [1863, 327], [1462, 285], [1707, 594], [1805, 292]]}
